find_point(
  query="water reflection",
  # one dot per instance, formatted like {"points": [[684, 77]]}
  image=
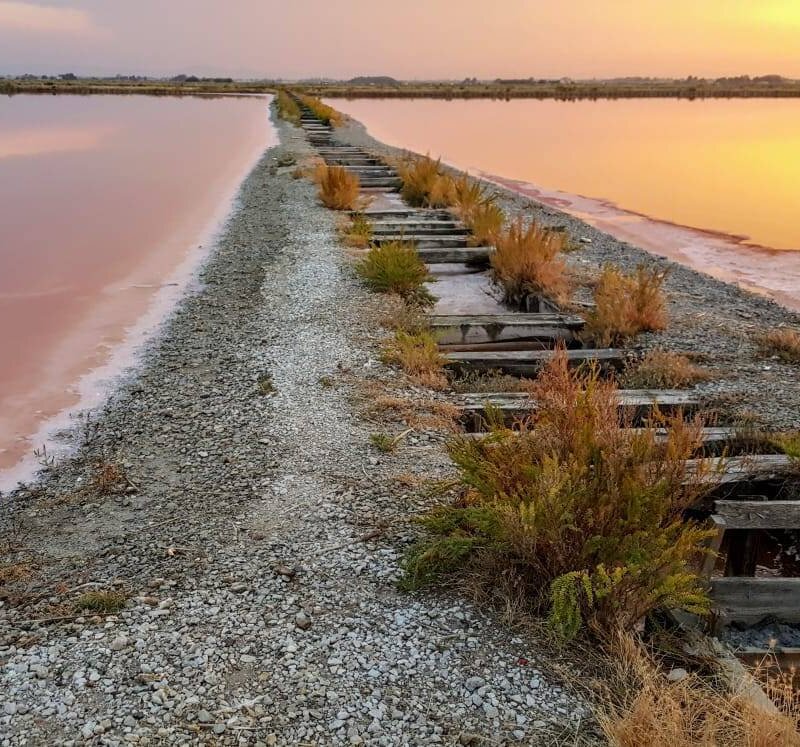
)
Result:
{"points": [[104, 205]]}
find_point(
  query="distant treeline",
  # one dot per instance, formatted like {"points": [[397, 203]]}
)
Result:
{"points": [[385, 87]]}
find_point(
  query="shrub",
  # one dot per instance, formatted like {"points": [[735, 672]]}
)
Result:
{"points": [[663, 369], [424, 183], [327, 114], [395, 267], [287, 107], [585, 515], [338, 188], [626, 305], [418, 355], [784, 343], [526, 261]]}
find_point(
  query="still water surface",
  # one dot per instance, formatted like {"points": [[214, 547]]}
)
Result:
{"points": [[714, 184], [107, 204]]}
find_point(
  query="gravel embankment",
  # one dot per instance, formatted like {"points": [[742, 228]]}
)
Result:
{"points": [[713, 320], [257, 613]]}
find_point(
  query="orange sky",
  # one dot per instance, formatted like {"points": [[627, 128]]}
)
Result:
{"points": [[403, 38]]}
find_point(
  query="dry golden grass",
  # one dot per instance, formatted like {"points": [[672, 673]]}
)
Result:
{"points": [[644, 709], [490, 382], [327, 114], [663, 369], [357, 231], [784, 343], [468, 195], [424, 183], [338, 188], [486, 223], [526, 261], [427, 414], [418, 355], [627, 305], [287, 107], [404, 316], [104, 602]]}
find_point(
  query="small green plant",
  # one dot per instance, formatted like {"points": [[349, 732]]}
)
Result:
{"points": [[326, 382], [338, 187], [395, 267], [265, 384], [787, 443], [383, 442], [783, 343], [101, 602]]}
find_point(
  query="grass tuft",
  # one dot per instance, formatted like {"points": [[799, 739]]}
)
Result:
{"points": [[663, 369], [486, 223], [526, 261], [358, 232], [103, 602], [383, 442], [338, 188], [418, 355], [627, 305], [424, 183], [783, 343], [395, 267]]}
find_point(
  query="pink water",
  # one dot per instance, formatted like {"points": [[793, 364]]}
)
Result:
{"points": [[107, 206], [713, 184]]}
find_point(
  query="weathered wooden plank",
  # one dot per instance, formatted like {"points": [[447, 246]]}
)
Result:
{"points": [[529, 362], [750, 600], [454, 240], [476, 330], [471, 255], [422, 230], [636, 404], [759, 514], [743, 468]]}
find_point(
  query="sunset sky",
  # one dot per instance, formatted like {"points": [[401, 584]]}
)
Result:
{"points": [[402, 38]]}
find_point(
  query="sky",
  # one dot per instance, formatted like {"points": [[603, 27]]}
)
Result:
{"points": [[407, 39]]}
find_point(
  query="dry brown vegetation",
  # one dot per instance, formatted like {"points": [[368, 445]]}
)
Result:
{"points": [[417, 414], [783, 343], [338, 188], [663, 369], [643, 708], [424, 183], [585, 515], [327, 114], [418, 355], [287, 107], [357, 231], [526, 261], [490, 382], [104, 602], [626, 305]]}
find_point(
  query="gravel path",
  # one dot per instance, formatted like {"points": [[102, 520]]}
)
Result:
{"points": [[710, 319], [229, 491]]}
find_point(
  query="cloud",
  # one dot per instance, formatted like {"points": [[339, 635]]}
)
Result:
{"points": [[46, 19]]}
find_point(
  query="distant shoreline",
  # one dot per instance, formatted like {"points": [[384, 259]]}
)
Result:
{"points": [[504, 90]]}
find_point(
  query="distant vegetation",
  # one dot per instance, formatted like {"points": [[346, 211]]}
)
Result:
{"points": [[387, 87]]}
